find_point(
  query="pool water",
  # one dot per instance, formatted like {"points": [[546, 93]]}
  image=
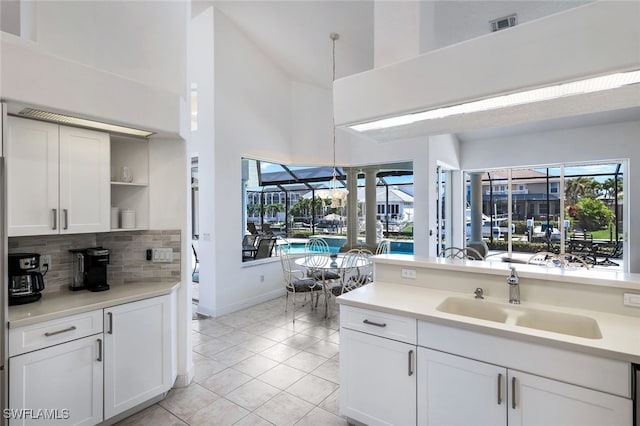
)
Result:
{"points": [[397, 247]]}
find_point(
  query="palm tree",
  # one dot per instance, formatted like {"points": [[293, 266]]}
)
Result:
{"points": [[579, 187]]}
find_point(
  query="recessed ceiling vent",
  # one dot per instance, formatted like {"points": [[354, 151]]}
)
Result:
{"points": [[502, 23]]}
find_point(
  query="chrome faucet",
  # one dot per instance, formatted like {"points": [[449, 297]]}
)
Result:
{"points": [[514, 287], [479, 293]]}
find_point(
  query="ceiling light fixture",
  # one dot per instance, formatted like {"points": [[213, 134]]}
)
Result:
{"points": [[579, 87], [337, 195], [81, 122]]}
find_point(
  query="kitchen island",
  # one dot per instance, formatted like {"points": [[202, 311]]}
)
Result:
{"points": [[417, 347]]}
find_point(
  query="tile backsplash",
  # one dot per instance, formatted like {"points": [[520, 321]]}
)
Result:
{"points": [[127, 255]]}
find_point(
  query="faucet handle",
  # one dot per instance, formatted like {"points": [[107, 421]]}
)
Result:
{"points": [[512, 279]]}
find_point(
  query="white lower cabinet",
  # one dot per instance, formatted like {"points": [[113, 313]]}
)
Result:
{"points": [[538, 401], [60, 384], [137, 353], [453, 390], [462, 377], [73, 378], [377, 374]]}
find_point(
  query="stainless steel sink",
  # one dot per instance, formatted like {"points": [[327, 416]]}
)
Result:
{"points": [[522, 316]]}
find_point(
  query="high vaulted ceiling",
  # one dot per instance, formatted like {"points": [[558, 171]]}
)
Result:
{"points": [[295, 35]]}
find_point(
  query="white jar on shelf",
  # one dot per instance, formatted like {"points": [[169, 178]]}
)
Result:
{"points": [[128, 219]]}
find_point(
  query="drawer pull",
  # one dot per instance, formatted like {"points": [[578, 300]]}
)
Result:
{"points": [[53, 333], [66, 218], [500, 389], [410, 372], [99, 350], [513, 393], [110, 315], [55, 218], [377, 324]]}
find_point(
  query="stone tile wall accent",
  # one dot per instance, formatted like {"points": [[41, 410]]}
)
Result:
{"points": [[127, 262]]}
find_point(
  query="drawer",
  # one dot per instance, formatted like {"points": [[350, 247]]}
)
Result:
{"points": [[382, 324], [37, 336]]}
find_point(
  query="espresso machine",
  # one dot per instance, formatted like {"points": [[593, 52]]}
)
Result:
{"points": [[25, 280], [90, 269]]}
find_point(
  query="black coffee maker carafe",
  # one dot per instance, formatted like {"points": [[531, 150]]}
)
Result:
{"points": [[90, 269], [25, 280]]}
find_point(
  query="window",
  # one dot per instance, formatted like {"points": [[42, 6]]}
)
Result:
{"points": [[554, 208]]}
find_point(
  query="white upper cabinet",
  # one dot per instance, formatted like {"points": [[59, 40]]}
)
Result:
{"points": [[57, 179], [32, 177], [84, 181]]}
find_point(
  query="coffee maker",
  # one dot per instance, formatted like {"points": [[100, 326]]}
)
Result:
{"points": [[90, 269], [25, 280]]}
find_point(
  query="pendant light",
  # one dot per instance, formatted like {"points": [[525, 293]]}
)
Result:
{"points": [[337, 195]]}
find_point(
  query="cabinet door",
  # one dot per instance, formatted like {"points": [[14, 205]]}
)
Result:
{"points": [[453, 390], [377, 379], [137, 353], [62, 382], [85, 190], [538, 401], [32, 177]]}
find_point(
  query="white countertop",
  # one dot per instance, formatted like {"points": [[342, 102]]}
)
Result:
{"points": [[66, 302], [598, 277], [620, 334]]}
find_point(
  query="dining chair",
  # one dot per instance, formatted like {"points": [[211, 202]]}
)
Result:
{"points": [[384, 247], [462, 253], [356, 271], [317, 253], [296, 282]]}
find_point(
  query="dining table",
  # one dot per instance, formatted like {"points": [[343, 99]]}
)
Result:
{"points": [[327, 265]]}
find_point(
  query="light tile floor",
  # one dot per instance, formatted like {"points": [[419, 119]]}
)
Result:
{"points": [[256, 367]]}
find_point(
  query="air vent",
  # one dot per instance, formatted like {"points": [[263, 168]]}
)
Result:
{"points": [[502, 23]]}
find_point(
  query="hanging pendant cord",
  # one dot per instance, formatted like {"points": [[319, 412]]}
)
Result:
{"points": [[334, 37]]}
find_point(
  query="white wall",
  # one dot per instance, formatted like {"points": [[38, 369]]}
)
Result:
{"points": [[450, 22], [582, 40], [252, 118], [75, 64], [593, 143], [140, 40], [202, 143], [396, 31]]}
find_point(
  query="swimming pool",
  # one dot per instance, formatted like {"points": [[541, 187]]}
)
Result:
{"points": [[396, 246]]}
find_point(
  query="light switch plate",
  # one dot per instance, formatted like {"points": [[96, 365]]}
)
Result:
{"points": [[162, 255]]}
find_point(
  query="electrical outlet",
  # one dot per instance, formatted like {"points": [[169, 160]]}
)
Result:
{"points": [[631, 299], [408, 273], [162, 255], [45, 259]]}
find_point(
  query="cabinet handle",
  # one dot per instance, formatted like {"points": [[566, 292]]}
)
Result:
{"points": [[377, 324], [55, 218], [99, 350], [110, 315], [500, 389], [53, 333], [66, 218], [410, 363], [513, 393]]}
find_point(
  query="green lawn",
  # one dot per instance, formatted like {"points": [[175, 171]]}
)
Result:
{"points": [[604, 234]]}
